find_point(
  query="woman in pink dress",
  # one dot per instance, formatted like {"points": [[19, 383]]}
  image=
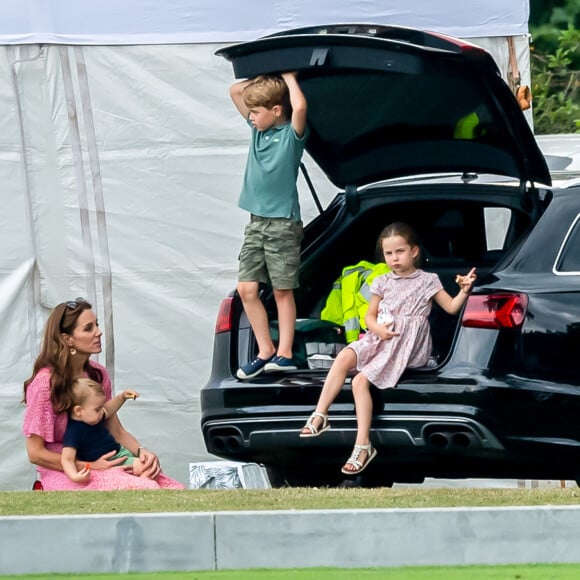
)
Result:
{"points": [[71, 336], [398, 337]]}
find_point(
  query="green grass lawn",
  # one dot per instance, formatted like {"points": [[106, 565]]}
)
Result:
{"points": [[512, 572], [107, 502], [31, 503]]}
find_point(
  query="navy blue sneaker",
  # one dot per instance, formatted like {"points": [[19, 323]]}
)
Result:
{"points": [[280, 363], [253, 368]]}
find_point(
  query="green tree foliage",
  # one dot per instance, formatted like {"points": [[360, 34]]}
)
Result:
{"points": [[555, 65]]}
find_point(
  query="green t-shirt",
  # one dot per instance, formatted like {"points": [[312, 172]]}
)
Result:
{"points": [[269, 187]]}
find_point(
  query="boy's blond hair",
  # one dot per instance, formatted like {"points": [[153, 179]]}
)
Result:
{"points": [[267, 91], [82, 388]]}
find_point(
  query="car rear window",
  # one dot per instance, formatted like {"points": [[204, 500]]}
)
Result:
{"points": [[497, 221], [412, 107]]}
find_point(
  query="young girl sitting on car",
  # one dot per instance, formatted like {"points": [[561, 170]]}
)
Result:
{"points": [[398, 336]]}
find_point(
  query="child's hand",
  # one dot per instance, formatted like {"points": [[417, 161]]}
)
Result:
{"points": [[466, 282], [83, 475], [386, 332], [130, 394]]}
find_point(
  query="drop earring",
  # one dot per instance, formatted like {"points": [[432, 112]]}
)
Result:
{"points": [[73, 350]]}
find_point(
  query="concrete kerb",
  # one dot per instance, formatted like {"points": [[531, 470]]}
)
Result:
{"points": [[289, 539]]}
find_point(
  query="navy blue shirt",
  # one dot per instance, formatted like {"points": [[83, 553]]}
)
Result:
{"points": [[90, 441]]}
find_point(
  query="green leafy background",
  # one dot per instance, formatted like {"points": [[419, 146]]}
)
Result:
{"points": [[555, 65]]}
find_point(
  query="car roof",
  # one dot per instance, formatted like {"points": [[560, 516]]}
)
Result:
{"points": [[388, 101], [562, 153]]}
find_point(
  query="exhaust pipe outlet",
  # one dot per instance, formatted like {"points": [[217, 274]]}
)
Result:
{"points": [[233, 443], [464, 440], [225, 440], [218, 444], [439, 440]]}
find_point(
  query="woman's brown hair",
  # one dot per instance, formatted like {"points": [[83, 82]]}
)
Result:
{"points": [[56, 355]]}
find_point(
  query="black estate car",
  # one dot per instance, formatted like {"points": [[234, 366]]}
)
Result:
{"points": [[413, 126]]}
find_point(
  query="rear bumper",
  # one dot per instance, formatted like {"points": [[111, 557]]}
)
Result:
{"points": [[275, 439], [433, 425]]}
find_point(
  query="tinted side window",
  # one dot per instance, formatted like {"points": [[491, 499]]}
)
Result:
{"points": [[568, 261]]}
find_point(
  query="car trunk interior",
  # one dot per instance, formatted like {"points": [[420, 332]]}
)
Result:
{"points": [[455, 236]]}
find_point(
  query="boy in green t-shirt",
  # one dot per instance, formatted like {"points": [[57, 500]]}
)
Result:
{"points": [[275, 109]]}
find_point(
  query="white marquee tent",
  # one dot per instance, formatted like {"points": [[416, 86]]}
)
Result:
{"points": [[120, 162]]}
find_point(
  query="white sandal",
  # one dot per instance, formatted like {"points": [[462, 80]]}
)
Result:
{"points": [[354, 459], [314, 430]]}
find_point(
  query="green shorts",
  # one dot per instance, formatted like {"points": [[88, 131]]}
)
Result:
{"points": [[129, 457], [271, 252]]}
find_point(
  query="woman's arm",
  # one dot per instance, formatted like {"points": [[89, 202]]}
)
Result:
{"points": [[151, 467], [38, 454]]}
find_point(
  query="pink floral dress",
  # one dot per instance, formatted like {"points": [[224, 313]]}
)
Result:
{"points": [[407, 300], [40, 419]]}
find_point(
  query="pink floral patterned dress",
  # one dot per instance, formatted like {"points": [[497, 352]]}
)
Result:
{"points": [[407, 300], [40, 419]]}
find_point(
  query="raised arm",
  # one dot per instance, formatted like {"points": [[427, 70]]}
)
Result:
{"points": [[112, 406], [452, 305], [236, 91], [298, 102]]}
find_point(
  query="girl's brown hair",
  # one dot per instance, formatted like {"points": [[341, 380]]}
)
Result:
{"points": [[55, 354], [405, 231]]}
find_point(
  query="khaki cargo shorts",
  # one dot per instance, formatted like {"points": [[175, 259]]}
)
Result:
{"points": [[271, 252]]}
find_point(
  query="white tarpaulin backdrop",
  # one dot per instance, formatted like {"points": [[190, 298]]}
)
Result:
{"points": [[120, 166], [193, 21]]}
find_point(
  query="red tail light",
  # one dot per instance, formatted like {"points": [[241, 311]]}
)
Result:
{"points": [[501, 310], [224, 317]]}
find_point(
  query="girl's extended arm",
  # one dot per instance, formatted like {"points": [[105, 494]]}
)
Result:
{"points": [[298, 102], [452, 305]]}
